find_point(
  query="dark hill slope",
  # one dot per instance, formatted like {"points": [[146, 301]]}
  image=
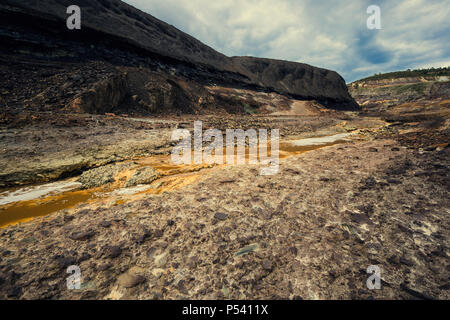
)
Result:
{"points": [[294, 78], [115, 32]]}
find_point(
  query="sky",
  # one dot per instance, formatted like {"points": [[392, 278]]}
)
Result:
{"points": [[331, 34]]}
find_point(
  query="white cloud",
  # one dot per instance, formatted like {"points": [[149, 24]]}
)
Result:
{"points": [[329, 34]]}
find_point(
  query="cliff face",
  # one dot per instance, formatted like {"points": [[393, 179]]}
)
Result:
{"points": [[385, 93], [35, 32], [117, 18], [299, 79]]}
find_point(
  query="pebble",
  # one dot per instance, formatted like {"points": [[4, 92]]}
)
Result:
{"points": [[130, 280], [221, 216], [114, 252], [81, 235], [267, 265], [104, 267], [161, 260]]}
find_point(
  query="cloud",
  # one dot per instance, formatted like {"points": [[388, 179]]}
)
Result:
{"points": [[328, 34]]}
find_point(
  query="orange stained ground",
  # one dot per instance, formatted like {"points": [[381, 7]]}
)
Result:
{"points": [[172, 177]]}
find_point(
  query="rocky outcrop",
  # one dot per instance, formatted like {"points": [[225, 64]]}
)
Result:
{"points": [[115, 32], [105, 96], [386, 93], [398, 81], [301, 80]]}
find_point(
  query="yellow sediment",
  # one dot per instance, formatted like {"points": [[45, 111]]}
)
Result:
{"points": [[23, 211], [172, 177]]}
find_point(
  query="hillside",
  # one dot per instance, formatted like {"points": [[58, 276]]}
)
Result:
{"points": [[126, 61], [383, 92]]}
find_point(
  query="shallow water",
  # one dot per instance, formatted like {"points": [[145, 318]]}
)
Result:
{"points": [[34, 192], [319, 140], [23, 211]]}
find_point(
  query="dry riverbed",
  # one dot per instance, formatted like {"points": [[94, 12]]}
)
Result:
{"points": [[116, 158], [308, 232]]}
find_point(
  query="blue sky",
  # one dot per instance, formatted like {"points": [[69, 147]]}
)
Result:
{"points": [[331, 34]]}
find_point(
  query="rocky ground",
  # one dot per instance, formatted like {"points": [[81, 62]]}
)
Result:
{"points": [[308, 232], [54, 146], [97, 108]]}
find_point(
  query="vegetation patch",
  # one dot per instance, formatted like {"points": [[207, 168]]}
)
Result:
{"points": [[432, 72], [419, 88], [249, 109]]}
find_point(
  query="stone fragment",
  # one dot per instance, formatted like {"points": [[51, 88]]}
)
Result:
{"points": [[267, 265], [161, 260], [81, 235], [144, 175], [114, 252], [247, 249], [105, 224], [127, 280], [104, 266], [221, 216]]}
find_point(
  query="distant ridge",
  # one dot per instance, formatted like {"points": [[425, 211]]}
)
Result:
{"points": [[427, 72]]}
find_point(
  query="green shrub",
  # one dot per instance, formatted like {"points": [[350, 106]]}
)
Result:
{"points": [[248, 109]]}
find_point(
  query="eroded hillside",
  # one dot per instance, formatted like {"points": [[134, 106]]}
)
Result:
{"points": [[126, 61]]}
